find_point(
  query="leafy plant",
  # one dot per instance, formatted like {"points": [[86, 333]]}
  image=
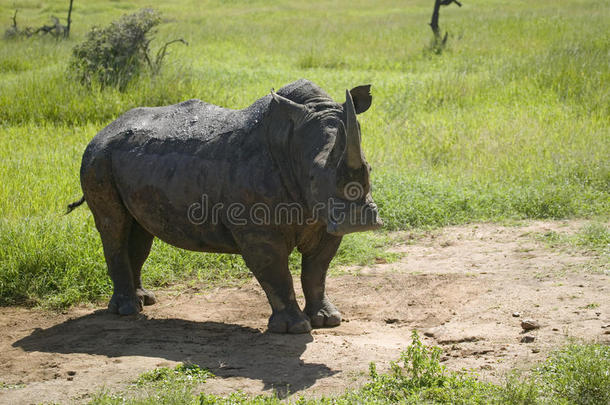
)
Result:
{"points": [[577, 374], [180, 373], [422, 378], [114, 55]]}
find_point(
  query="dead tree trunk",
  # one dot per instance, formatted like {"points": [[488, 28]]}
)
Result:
{"points": [[69, 22], [434, 22], [15, 20]]}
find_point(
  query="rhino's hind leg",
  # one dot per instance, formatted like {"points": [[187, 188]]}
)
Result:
{"points": [[266, 255], [115, 236], [114, 224], [315, 263], [124, 299], [140, 242]]}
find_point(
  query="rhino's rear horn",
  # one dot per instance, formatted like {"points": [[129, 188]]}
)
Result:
{"points": [[353, 154], [297, 112]]}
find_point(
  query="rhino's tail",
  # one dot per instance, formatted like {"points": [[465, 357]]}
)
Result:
{"points": [[74, 205]]}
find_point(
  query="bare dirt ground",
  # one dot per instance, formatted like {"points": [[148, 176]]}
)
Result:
{"points": [[459, 285]]}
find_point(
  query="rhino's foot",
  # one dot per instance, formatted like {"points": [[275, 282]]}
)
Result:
{"points": [[125, 304], [147, 297], [289, 321], [323, 315]]}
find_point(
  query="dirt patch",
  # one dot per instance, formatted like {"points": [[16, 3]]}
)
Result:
{"points": [[460, 286]]}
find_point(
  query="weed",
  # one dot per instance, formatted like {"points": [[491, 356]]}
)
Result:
{"points": [[577, 374], [594, 236], [180, 373]]}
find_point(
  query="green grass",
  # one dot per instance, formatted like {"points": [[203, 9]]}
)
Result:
{"points": [[576, 374], [160, 386], [180, 373], [5, 386], [56, 262], [593, 237], [510, 122]]}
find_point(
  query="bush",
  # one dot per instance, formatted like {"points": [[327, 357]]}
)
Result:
{"points": [[116, 54], [577, 374], [421, 378]]}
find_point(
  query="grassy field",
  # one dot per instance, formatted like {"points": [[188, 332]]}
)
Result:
{"points": [[511, 121]]}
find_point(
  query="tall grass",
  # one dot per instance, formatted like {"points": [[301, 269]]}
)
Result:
{"points": [[511, 121]]}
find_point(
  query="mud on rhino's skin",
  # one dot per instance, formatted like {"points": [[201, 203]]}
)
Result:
{"points": [[286, 172]]}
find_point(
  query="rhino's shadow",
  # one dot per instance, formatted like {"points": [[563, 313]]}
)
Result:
{"points": [[227, 350]]}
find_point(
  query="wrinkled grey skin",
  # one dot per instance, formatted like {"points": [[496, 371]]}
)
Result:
{"points": [[145, 175]]}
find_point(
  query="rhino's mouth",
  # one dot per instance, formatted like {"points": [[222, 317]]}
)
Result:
{"points": [[354, 219]]}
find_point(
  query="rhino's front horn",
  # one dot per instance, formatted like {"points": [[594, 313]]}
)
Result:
{"points": [[296, 111], [353, 154]]}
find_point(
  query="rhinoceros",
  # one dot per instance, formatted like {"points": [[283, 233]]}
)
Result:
{"points": [[287, 171]]}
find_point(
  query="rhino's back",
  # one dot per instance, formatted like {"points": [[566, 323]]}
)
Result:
{"points": [[189, 119], [192, 120]]}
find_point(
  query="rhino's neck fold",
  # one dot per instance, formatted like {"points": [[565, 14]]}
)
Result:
{"points": [[279, 138]]}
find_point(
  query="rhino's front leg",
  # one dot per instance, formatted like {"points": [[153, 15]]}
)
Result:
{"points": [[315, 263], [266, 255]]}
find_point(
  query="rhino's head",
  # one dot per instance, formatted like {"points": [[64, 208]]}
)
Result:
{"points": [[332, 173]]}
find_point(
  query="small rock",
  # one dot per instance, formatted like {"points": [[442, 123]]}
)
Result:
{"points": [[429, 333], [535, 350], [529, 324], [555, 329], [391, 320], [447, 340], [71, 372], [528, 339], [516, 314], [607, 332], [70, 378]]}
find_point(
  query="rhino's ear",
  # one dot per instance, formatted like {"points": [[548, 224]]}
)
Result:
{"points": [[362, 98], [297, 112]]}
